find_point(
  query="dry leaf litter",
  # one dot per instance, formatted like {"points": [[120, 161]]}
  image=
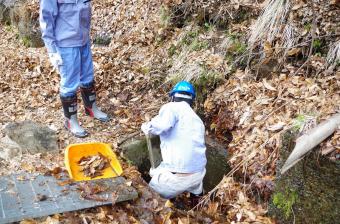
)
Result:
{"points": [[93, 166]]}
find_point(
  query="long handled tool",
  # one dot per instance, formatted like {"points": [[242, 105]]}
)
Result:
{"points": [[148, 142]]}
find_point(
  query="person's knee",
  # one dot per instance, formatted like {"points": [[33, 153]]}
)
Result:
{"points": [[66, 94], [165, 193], [89, 84], [164, 190], [69, 83]]}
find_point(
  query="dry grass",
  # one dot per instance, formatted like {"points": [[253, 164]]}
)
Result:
{"points": [[333, 56], [199, 55], [288, 38], [270, 23], [185, 67], [223, 46]]}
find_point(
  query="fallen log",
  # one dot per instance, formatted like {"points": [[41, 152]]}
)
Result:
{"points": [[312, 138]]}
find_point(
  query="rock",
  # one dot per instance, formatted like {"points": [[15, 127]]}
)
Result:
{"points": [[31, 136], [135, 150], [19, 13], [217, 165], [5, 6], [265, 68], [309, 191], [9, 149]]}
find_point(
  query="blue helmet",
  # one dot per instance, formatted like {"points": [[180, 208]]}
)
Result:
{"points": [[183, 86]]}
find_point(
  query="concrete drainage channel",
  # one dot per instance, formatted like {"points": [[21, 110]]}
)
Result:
{"points": [[135, 150]]}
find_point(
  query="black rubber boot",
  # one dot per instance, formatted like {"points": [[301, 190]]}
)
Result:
{"points": [[195, 199], [89, 97], [71, 120]]}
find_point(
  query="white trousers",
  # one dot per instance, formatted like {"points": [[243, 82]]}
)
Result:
{"points": [[169, 185]]}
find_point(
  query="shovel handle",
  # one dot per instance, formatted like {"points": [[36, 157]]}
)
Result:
{"points": [[109, 161], [113, 169], [149, 145]]}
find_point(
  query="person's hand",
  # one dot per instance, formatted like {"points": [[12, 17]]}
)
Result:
{"points": [[145, 128], [152, 172], [55, 60]]}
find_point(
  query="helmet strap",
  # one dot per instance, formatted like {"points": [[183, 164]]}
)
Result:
{"points": [[180, 99], [181, 95]]}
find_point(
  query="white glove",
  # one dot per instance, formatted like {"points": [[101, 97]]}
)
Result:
{"points": [[152, 172], [146, 128], [55, 60]]}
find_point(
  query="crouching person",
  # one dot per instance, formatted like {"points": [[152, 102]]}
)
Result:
{"points": [[183, 148]]}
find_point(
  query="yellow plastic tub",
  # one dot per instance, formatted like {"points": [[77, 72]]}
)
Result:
{"points": [[75, 152]]}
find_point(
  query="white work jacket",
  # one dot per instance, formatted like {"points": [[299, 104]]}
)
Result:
{"points": [[181, 133], [65, 23]]}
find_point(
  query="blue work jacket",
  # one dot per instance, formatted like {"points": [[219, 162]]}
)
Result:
{"points": [[182, 138], [65, 23]]}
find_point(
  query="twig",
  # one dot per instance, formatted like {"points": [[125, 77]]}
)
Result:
{"points": [[251, 53], [313, 33], [127, 137], [312, 42], [273, 111], [265, 162]]}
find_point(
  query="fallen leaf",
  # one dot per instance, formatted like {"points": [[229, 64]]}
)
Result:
{"points": [[268, 48], [212, 208], [294, 51], [41, 197], [276, 127], [168, 204], [268, 86], [93, 166]]}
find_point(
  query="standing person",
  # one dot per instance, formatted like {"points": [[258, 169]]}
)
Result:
{"points": [[183, 148], [65, 26]]}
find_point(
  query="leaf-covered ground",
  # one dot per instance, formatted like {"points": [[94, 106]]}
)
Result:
{"points": [[132, 73]]}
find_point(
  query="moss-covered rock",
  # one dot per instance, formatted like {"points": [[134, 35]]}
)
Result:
{"points": [[4, 12], [18, 13], [308, 192]]}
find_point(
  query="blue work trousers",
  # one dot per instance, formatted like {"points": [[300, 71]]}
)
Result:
{"points": [[77, 69]]}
